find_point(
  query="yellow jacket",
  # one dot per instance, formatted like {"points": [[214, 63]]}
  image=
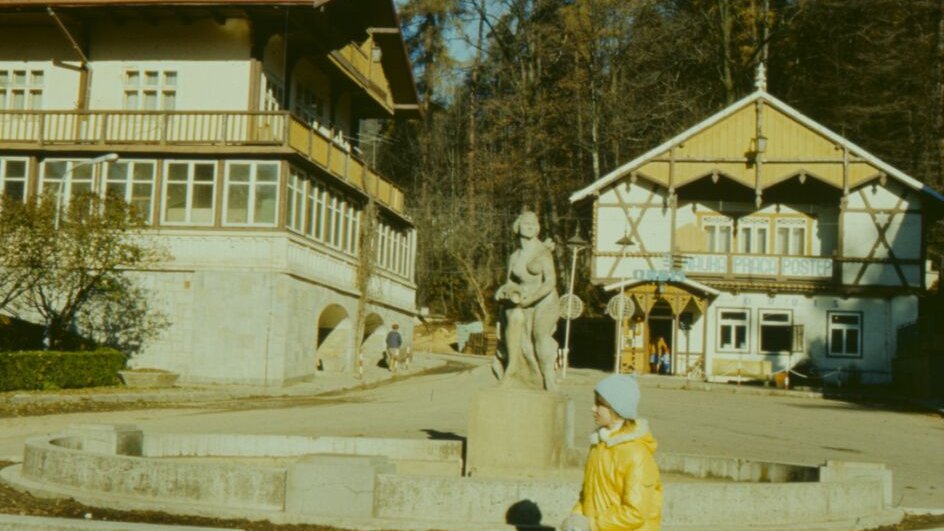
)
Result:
{"points": [[621, 485]]}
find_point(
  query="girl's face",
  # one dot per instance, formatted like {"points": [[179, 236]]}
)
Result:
{"points": [[603, 414]]}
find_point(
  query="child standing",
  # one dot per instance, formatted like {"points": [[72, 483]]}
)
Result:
{"points": [[621, 485]]}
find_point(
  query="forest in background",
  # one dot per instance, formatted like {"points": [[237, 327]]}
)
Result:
{"points": [[556, 93]]}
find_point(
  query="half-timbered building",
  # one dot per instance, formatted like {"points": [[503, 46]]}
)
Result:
{"points": [[759, 239], [236, 127]]}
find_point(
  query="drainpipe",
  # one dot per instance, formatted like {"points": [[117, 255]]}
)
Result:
{"points": [[84, 71]]}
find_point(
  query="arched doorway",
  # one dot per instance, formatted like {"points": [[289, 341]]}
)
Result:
{"points": [[334, 338], [373, 341]]}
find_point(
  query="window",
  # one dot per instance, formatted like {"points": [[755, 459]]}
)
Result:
{"points": [[21, 89], [308, 105], [776, 331], [273, 92], [132, 182], [752, 236], [791, 236], [189, 192], [845, 334], [718, 231], [13, 178], [251, 193], [297, 183], [150, 90], [66, 178], [732, 330]]}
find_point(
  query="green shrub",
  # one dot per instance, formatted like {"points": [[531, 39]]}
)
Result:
{"points": [[51, 369]]}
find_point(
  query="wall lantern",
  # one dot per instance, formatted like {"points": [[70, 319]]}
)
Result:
{"points": [[760, 144]]}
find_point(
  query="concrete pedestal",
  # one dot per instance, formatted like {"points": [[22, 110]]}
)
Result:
{"points": [[517, 430]]}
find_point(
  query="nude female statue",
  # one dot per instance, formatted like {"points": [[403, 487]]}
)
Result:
{"points": [[531, 306]]}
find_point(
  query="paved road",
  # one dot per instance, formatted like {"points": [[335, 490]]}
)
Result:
{"points": [[717, 422]]}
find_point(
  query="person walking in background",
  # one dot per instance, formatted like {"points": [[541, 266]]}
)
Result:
{"points": [[659, 355], [622, 489], [394, 342]]}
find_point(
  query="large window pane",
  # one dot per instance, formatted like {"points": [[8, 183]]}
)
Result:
{"points": [[237, 204], [266, 197], [176, 203]]}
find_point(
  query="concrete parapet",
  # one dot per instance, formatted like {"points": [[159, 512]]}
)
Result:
{"points": [[708, 467], [216, 483], [336, 479], [37, 523], [238, 445], [518, 429], [109, 439], [845, 471], [334, 485]]}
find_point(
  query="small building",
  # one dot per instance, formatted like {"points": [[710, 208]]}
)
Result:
{"points": [[759, 239], [236, 125]]}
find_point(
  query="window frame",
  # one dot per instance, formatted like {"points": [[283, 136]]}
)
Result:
{"points": [[4, 178], [188, 206], [792, 224], [860, 328], [760, 329], [129, 182], [29, 88], [721, 322], [65, 194], [717, 222], [141, 89], [253, 184], [753, 225]]}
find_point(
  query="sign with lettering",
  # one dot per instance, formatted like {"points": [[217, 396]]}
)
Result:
{"points": [[806, 267], [659, 275], [761, 265], [706, 263]]}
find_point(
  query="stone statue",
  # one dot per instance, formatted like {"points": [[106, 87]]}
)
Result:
{"points": [[529, 309]]}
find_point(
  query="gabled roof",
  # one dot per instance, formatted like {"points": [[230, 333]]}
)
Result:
{"points": [[648, 161], [694, 284]]}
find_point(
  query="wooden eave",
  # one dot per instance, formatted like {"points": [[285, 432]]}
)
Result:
{"points": [[347, 20], [725, 144]]}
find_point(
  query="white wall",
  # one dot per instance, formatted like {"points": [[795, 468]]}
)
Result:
{"points": [[36, 47], [881, 319], [211, 61]]}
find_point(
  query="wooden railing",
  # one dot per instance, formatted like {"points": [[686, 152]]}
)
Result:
{"points": [[358, 62], [143, 127], [183, 128], [756, 265]]}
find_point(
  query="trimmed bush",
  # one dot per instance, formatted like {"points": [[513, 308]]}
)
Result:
{"points": [[51, 369]]}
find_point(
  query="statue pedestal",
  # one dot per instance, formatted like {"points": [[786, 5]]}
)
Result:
{"points": [[517, 430]]}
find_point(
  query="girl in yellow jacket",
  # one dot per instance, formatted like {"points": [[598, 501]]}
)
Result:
{"points": [[621, 485]]}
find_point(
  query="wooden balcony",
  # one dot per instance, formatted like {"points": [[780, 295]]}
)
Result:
{"points": [[198, 130], [356, 63], [758, 266]]}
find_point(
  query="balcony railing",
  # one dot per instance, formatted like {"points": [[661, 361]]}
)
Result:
{"points": [[183, 128], [357, 61], [753, 265]]}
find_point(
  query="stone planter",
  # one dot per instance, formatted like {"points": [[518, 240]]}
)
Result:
{"points": [[148, 379]]}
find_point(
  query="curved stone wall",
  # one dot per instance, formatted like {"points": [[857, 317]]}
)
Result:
{"points": [[383, 483]]}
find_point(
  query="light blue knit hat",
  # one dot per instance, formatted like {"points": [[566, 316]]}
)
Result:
{"points": [[621, 392]]}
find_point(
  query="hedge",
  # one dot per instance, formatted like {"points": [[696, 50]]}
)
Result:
{"points": [[51, 369]]}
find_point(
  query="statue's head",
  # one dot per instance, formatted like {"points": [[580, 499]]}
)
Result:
{"points": [[527, 224]]}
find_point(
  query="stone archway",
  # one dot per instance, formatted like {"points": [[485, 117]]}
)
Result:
{"points": [[335, 327], [373, 342]]}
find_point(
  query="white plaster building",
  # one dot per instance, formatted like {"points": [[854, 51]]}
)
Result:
{"points": [[759, 238], [236, 124]]}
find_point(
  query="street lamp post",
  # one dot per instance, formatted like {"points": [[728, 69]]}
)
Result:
{"points": [[108, 157], [67, 175], [575, 244], [623, 242]]}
